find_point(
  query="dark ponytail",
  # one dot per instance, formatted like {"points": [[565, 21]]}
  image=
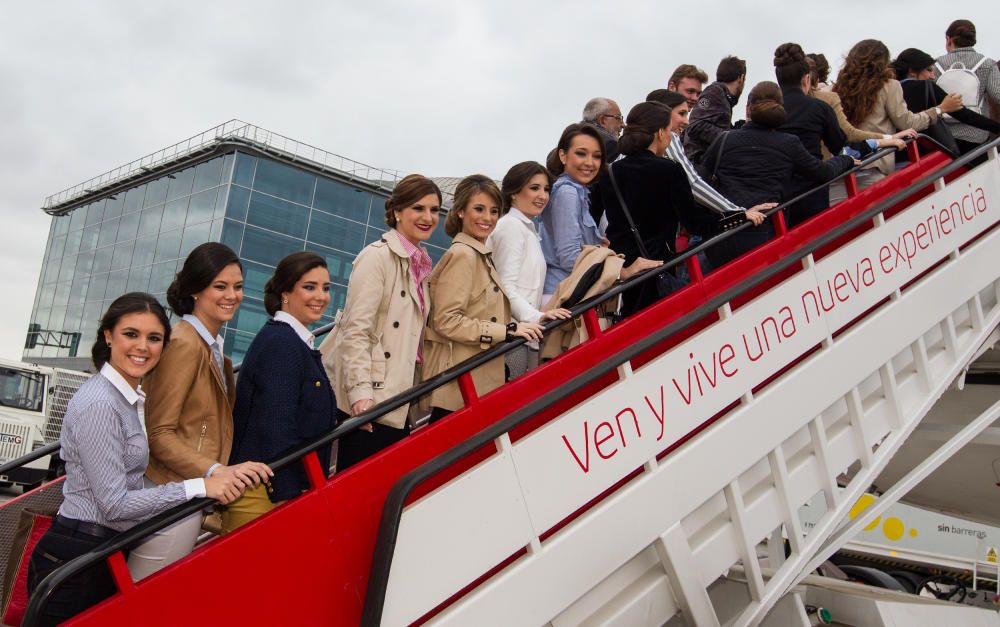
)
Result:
{"points": [[202, 265], [766, 105], [133, 302], [641, 126]]}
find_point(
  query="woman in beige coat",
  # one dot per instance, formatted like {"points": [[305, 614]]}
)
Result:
{"points": [[873, 101], [374, 351], [470, 311]]}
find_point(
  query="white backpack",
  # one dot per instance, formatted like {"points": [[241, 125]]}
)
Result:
{"points": [[963, 81]]}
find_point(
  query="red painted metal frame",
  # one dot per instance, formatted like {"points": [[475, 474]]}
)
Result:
{"points": [[316, 549]]}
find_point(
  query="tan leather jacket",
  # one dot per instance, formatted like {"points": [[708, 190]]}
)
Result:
{"points": [[189, 414], [469, 314], [372, 351]]}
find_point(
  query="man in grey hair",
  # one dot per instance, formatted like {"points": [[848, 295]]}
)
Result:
{"points": [[604, 115]]}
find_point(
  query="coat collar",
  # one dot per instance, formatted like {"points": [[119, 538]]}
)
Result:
{"points": [[392, 241], [480, 247]]}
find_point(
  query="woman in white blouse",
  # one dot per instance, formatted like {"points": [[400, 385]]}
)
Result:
{"points": [[517, 254]]}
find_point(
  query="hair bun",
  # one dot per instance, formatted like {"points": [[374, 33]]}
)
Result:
{"points": [[788, 53]]}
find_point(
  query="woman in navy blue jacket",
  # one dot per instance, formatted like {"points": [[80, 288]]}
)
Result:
{"points": [[283, 396]]}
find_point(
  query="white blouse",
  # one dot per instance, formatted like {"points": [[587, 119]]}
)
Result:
{"points": [[517, 254]]}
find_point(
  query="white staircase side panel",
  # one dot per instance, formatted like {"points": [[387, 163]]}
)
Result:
{"points": [[629, 520], [468, 526]]}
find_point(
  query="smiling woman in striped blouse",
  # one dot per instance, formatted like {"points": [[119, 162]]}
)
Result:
{"points": [[104, 446]]}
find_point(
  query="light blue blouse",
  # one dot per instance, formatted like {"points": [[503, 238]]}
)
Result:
{"points": [[566, 227]]}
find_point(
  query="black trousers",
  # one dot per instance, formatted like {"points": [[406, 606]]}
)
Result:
{"points": [[361, 444], [58, 546], [437, 413]]}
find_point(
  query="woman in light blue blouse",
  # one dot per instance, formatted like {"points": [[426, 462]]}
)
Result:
{"points": [[104, 446], [567, 223]]}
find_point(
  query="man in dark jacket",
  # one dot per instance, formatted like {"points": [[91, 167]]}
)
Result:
{"points": [[714, 114]]}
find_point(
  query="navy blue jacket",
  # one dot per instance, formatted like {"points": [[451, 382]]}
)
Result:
{"points": [[283, 400], [759, 165]]}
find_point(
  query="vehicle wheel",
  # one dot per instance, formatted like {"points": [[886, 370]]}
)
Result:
{"points": [[944, 587], [910, 581], [872, 577]]}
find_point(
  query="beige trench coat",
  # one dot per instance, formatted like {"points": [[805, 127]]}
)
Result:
{"points": [[372, 351], [469, 314]]}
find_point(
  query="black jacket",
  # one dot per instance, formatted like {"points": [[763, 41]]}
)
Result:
{"points": [[923, 95], [758, 165], [812, 121], [659, 197], [711, 117]]}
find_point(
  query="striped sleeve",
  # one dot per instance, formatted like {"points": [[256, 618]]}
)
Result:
{"points": [[100, 447], [704, 193]]}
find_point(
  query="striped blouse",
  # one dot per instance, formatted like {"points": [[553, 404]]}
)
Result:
{"points": [[104, 446]]}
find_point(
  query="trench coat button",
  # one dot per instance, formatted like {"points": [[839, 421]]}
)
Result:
{"points": [[402, 293], [395, 325], [496, 289], [493, 319], [387, 354]]}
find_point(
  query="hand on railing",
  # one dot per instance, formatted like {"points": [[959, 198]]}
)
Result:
{"points": [[556, 314], [756, 214], [529, 331], [243, 476], [360, 407], [641, 264]]}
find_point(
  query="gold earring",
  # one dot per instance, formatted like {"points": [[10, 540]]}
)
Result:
{"points": [[284, 301]]}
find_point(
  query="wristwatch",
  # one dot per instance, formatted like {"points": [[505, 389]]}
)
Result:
{"points": [[938, 111], [511, 328]]}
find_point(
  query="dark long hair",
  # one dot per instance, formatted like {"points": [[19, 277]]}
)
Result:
{"points": [[641, 125], [133, 302], [556, 166], [202, 265], [287, 274], [517, 177], [790, 64], [911, 60]]}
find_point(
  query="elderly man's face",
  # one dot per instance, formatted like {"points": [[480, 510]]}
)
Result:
{"points": [[611, 120]]}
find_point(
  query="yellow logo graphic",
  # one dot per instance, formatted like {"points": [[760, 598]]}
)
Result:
{"points": [[892, 527]]}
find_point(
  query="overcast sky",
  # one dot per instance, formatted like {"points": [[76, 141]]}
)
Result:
{"points": [[440, 88]]}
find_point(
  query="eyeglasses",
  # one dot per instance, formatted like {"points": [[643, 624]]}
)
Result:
{"points": [[612, 115]]}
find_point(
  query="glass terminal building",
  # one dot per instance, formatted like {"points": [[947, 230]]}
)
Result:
{"points": [[262, 194]]}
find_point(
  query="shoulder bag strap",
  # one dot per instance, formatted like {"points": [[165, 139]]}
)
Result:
{"points": [[718, 158], [628, 215]]}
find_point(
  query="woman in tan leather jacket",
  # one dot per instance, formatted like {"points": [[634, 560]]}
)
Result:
{"points": [[189, 398], [470, 311], [374, 351]]}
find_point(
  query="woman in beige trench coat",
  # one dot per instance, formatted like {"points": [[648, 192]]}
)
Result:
{"points": [[374, 351], [470, 311]]}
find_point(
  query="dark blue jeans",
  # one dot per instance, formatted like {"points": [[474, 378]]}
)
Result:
{"points": [[58, 546]]}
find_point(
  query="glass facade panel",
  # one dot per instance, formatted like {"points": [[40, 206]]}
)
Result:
{"points": [[267, 248], [174, 213], [255, 275], [239, 199], [208, 174], [68, 267], [232, 234], [180, 183], [284, 181], [144, 250], [84, 263], [338, 263], [202, 206], [134, 198], [335, 232], [78, 290], [221, 198], [102, 259], [278, 215], [109, 229], [73, 242], [149, 222], [60, 225], [343, 200], [95, 212], [117, 282], [138, 278], [98, 285], [55, 249], [245, 166], [113, 206], [194, 235], [156, 192], [128, 227], [122, 257], [250, 317], [168, 245], [78, 218], [160, 277], [90, 236], [237, 344]]}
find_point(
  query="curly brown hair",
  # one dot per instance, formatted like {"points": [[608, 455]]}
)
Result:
{"points": [[866, 69]]}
